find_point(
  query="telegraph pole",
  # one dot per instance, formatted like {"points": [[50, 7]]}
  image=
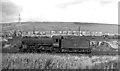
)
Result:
{"points": [[33, 29], [19, 18], [19, 22], [79, 28]]}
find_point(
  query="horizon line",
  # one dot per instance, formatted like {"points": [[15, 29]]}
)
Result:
{"points": [[60, 22]]}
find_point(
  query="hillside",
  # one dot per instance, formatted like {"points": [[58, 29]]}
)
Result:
{"points": [[43, 26]]}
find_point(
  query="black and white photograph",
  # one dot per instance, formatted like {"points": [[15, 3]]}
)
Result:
{"points": [[58, 35]]}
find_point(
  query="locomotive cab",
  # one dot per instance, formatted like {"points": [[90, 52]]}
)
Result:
{"points": [[57, 43]]}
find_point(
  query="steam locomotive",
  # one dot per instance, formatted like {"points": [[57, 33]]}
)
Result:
{"points": [[56, 44], [59, 43]]}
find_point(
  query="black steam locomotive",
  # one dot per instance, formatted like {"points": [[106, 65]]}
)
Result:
{"points": [[56, 44], [81, 44]]}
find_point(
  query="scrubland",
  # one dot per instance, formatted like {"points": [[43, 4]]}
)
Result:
{"points": [[53, 61]]}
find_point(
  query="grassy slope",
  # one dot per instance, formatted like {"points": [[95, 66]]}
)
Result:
{"points": [[48, 61]]}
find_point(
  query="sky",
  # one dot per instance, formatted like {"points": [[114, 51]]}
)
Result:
{"points": [[96, 11]]}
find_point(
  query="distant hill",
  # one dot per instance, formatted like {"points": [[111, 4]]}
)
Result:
{"points": [[85, 23], [81, 23], [43, 26], [60, 22]]}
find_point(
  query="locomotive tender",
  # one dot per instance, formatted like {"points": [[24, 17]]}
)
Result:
{"points": [[56, 44]]}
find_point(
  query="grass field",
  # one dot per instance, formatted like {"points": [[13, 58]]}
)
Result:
{"points": [[53, 61]]}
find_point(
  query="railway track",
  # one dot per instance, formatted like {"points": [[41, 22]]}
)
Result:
{"points": [[100, 53]]}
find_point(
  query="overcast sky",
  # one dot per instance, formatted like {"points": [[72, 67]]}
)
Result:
{"points": [[97, 11]]}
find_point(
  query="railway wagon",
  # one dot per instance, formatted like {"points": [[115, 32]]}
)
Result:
{"points": [[56, 44]]}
